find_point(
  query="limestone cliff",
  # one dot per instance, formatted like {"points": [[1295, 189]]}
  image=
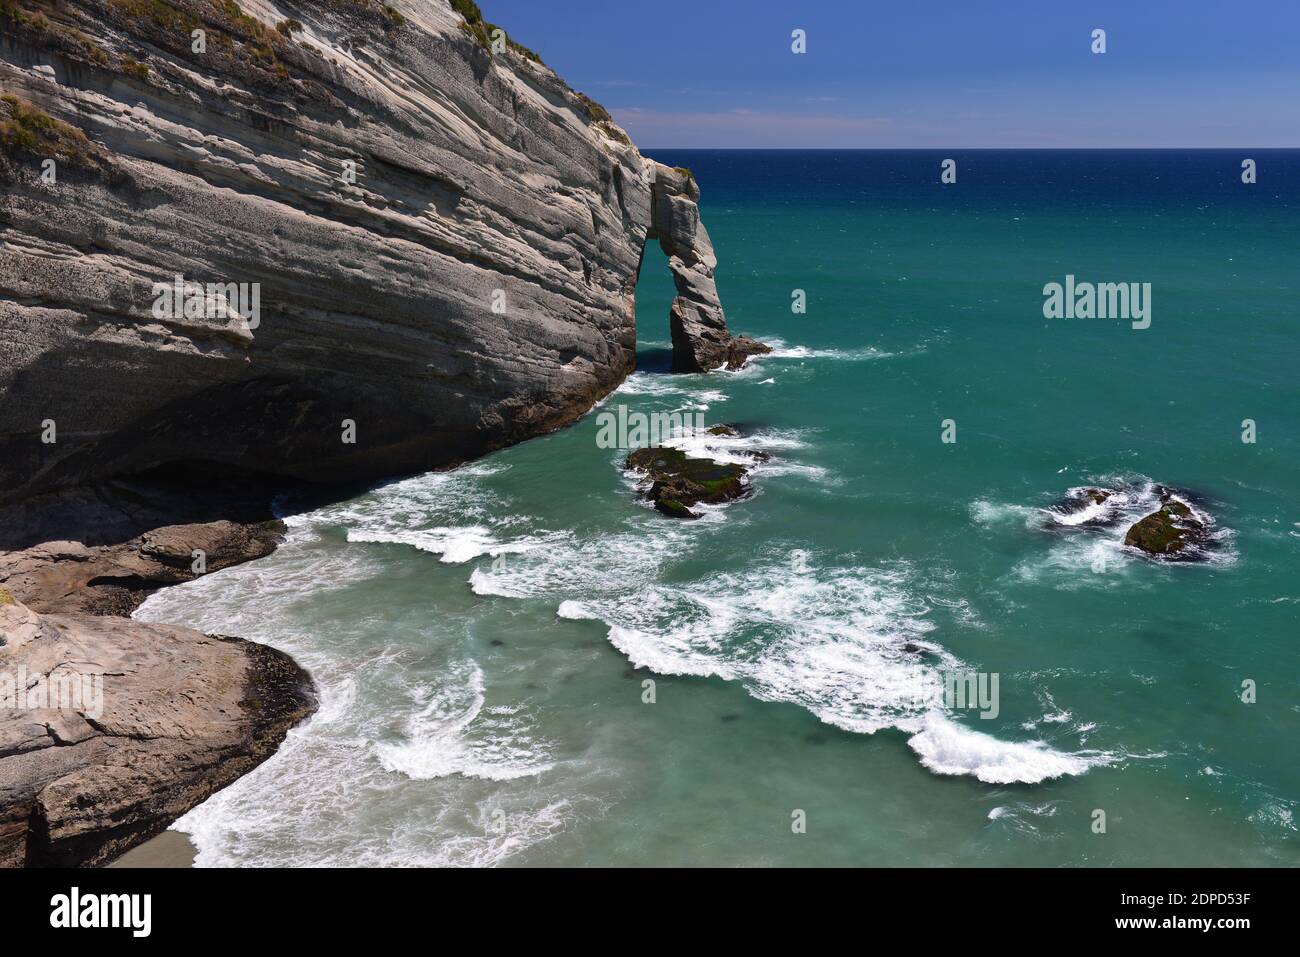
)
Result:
{"points": [[437, 241]]}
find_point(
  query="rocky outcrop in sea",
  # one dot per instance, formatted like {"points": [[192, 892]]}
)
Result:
{"points": [[1162, 522], [1175, 531]]}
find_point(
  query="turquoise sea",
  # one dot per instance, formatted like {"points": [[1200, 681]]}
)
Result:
{"points": [[482, 638]]}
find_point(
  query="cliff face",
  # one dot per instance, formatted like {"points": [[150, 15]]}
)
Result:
{"points": [[410, 248]]}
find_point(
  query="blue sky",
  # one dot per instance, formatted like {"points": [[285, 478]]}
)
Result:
{"points": [[927, 73]]}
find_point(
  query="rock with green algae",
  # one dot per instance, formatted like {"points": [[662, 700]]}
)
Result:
{"points": [[1171, 531], [678, 481]]}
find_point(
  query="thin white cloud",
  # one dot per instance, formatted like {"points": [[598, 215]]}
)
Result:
{"points": [[747, 120]]}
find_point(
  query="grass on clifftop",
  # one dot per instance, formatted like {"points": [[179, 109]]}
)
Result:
{"points": [[600, 117], [237, 42], [481, 30]]}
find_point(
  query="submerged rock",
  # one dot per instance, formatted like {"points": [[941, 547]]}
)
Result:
{"points": [[1084, 507], [678, 481], [1096, 495]]}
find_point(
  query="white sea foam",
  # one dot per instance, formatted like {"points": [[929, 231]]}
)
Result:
{"points": [[448, 733], [736, 449], [574, 611], [1083, 509], [1021, 816], [664, 385], [947, 747], [415, 511], [782, 350], [830, 640], [337, 793]]}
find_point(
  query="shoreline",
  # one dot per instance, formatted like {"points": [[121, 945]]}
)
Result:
{"points": [[170, 849], [186, 712]]}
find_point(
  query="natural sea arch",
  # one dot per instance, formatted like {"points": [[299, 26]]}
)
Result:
{"points": [[655, 291]]}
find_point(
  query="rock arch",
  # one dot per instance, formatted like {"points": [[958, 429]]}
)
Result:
{"points": [[699, 328]]}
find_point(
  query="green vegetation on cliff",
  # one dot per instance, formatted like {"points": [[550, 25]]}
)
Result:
{"points": [[27, 128]]}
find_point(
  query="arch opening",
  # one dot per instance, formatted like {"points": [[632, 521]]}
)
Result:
{"points": [[654, 295]]}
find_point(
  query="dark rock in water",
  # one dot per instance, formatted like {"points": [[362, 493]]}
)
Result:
{"points": [[1170, 532], [741, 348], [679, 481], [722, 430], [670, 506], [728, 718], [1080, 499], [1097, 495]]}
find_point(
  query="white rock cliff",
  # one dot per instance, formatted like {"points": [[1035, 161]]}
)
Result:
{"points": [[444, 241]]}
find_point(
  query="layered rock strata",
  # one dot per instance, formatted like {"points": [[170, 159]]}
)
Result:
{"points": [[341, 241]]}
